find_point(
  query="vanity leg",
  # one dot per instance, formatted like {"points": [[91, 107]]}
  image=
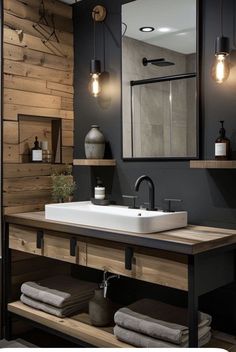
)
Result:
{"points": [[7, 283], [192, 303]]}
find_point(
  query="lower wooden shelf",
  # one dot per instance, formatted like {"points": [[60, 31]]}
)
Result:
{"points": [[77, 326], [213, 164]]}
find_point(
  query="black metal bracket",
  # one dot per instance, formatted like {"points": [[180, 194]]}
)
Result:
{"points": [[39, 242], [129, 253], [73, 244]]}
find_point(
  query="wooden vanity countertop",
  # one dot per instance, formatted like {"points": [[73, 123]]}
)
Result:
{"points": [[190, 240]]}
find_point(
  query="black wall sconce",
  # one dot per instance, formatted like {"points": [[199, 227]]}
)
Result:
{"points": [[98, 14], [221, 66]]}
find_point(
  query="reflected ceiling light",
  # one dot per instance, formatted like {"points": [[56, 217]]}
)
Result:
{"points": [[147, 29], [98, 14], [164, 29], [221, 66], [182, 33]]}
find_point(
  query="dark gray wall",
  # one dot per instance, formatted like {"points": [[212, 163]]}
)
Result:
{"points": [[209, 197]]}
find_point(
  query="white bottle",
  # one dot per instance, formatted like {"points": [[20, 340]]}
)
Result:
{"points": [[99, 190]]}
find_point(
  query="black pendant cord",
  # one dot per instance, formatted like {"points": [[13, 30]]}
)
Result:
{"points": [[221, 18], [94, 37], [234, 24]]}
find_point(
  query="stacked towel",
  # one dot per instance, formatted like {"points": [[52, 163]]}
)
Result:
{"points": [[149, 323], [58, 295]]}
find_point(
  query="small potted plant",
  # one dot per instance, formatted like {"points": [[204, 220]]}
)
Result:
{"points": [[63, 186]]}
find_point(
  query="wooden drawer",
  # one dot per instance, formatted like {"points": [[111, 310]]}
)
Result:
{"points": [[23, 239], [60, 248], [164, 269]]}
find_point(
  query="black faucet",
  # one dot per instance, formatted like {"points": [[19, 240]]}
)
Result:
{"points": [[151, 204]]}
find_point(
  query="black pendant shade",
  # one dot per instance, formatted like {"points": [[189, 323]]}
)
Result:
{"points": [[95, 66], [222, 46]]}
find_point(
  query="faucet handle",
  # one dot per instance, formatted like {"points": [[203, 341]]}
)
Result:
{"points": [[133, 198], [170, 201]]}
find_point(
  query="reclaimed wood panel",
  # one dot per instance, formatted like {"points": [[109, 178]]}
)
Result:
{"points": [[67, 155], [24, 11], [51, 6], [34, 183], [10, 132], [11, 36], [12, 96], [67, 138], [33, 57], [67, 125], [38, 78], [12, 112], [14, 22], [11, 153], [34, 71], [23, 239], [213, 164]]}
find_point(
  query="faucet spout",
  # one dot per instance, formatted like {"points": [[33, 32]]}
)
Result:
{"points": [[151, 189]]}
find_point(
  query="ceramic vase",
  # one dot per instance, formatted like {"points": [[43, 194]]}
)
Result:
{"points": [[94, 143]]}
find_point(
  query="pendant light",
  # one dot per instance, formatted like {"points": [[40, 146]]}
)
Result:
{"points": [[221, 67], [98, 15]]}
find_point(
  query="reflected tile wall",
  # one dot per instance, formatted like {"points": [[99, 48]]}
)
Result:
{"points": [[159, 129]]}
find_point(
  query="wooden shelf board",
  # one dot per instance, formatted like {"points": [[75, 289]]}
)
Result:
{"points": [[213, 164], [77, 326], [94, 162]]}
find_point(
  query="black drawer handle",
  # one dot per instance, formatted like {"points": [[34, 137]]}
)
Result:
{"points": [[129, 253], [73, 244], [39, 242]]}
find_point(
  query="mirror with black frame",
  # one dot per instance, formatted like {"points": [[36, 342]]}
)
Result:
{"points": [[159, 79]]}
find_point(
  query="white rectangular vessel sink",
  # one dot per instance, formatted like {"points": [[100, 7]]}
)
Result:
{"points": [[115, 217]]}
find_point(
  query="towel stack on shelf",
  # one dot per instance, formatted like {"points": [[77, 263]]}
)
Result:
{"points": [[58, 295], [149, 323]]}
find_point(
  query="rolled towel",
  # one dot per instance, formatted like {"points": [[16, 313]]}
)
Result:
{"points": [[139, 340], [58, 312], [158, 320], [58, 291]]}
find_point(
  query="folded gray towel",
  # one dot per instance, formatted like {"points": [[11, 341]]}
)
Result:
{"points": [[59, 291], [58, 312], [158, 320], [139, 340]]}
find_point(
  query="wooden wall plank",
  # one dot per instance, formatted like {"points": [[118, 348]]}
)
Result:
{"points": [[60, 87], [17, 23], [11, 112], [36, 183], [26, 197], [67, 103], [30, 169], [11, 153], [33, 57], [10, 132], [23, 209], [33, 71], [11, 36], [67, 138], [67, 155], [12, 96], [24, 11], [67, 125], [51, 6]]}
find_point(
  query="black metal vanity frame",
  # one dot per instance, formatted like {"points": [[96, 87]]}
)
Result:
{"points": [[203, 267]]}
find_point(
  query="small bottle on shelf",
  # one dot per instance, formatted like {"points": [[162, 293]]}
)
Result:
{"points": [[99, 190], [47, 158], [36, 152], [222, 145]]}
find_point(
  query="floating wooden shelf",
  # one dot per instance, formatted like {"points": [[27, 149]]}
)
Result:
{"points": [[77, 326], [213, 164], [94, 162]]}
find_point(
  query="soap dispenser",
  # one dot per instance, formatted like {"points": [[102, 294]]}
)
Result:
{"points": [[101, 308], [222, 145], [99, 190]]}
